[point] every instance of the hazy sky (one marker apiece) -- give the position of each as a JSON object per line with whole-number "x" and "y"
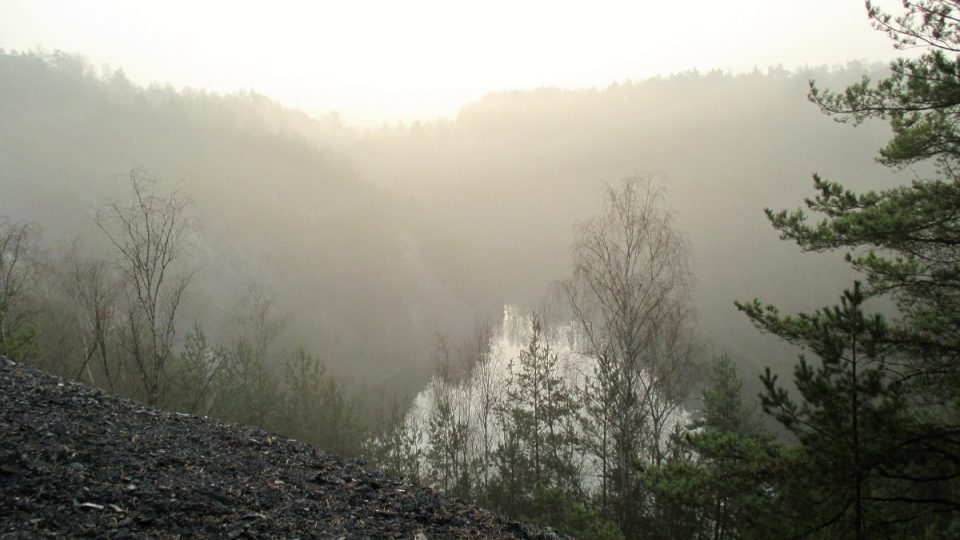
{"x": 376, "y": 61}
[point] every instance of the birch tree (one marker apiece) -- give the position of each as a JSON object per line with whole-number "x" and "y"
{"x": 628, "y": 295}
{"x": 149, "y": 233}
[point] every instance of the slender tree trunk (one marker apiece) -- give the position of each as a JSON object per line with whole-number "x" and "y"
{"x": 856, "y": 439}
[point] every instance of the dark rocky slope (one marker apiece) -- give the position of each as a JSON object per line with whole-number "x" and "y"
{"x": 77, "y": 462}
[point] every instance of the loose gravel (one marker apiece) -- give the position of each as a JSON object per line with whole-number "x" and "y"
{"x": 77, "y": 462}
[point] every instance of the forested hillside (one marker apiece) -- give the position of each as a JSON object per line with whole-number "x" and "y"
{"x": 374, "y": 241}
{"x": 511, "y": 174}
{"x": 273, "y": 203}
{"x": 226, "y": 255}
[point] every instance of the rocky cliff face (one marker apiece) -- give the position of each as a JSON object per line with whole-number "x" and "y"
{"x": 77, "y": 462}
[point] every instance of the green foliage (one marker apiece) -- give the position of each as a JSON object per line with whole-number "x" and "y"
{"x": 318, "y": 409}
{"x": 540, "y": 443}
{"x": 304, "y": 376}
{"x": 723, "y": 408}
{"x": 309, "y": 403}
{"x": 396, "y": 445}
{"x": 910, "y": 236}
{"x": 539, "y": 416}
{"x": 449, "y": 431}
{"x": 339, "y": 425}
{"x": 21, "y": 343}
{"x": 907, "y": 237}
{"x": 192, "y": 374}
{"x": 18, "y": 333}
{"x": 862, "y": 415}
{"x": 247, "y": 392}
{"x": 921, "y": 99}
{"x": 678, "y": 496}
{"x": 554, "y": 508}
{"x": 878, "y": 417}
{"x": 722, "y": 479}
{"x": 509, "y": 490}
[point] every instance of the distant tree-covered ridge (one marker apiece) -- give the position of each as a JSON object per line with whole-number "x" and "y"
{"x": 316, "y": 278}
{"x": 377, "y": 239}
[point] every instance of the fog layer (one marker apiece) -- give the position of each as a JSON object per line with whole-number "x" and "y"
{"x": 376, "y": 241}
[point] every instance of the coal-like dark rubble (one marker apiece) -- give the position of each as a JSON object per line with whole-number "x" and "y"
{"x": 78, "y": 462}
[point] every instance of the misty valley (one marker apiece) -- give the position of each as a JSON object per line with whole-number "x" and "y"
{"x": 705, "y": 305}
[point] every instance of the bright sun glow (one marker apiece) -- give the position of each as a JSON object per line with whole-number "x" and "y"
{"x": 377, "y": 61}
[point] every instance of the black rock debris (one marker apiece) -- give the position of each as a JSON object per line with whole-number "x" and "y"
{"x": 77, "y": 462}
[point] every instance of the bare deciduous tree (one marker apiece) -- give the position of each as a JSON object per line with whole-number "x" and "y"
{"x": 16, "y": 243}
{"x": 93, "y": 288}
{"x": 450, "y": 425}
{"x": 488, "y": 395}
{"x": 149, "y": 234}
{"x": 629, "y": 295}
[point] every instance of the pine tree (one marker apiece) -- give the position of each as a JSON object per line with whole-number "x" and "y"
{"x": 397, "y": 446}
{"x": 449, "y": 430}
{"x": 852, "y": 403}
{"x": 902, "y": 455}
{"x": 539, "y": 420}
{"x": 723, "y": 408}
{"x": 735, "y": 452}
{"x": 719, "y": 480}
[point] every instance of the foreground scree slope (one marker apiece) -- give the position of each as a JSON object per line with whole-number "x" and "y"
{"x": 76, "y": 461}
